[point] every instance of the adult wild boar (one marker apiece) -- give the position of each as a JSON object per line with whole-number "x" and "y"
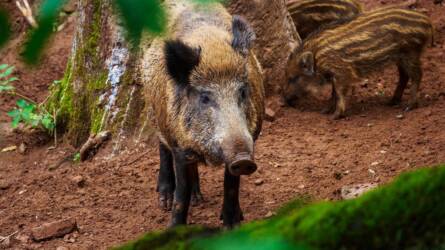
{"x": 206, "y": 90}
{"x": 347, "y": 53}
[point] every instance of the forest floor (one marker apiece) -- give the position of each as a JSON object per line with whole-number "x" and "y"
{"x": 114, "y": 199}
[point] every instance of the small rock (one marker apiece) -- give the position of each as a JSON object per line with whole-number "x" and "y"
{"x": 372, "y": 172}
{"x": 61, "y": 248}
{"x": 4, "y": 184}
{"x": 79, "y": 180}
{"x": 259, "y": 182}
{"x": 269, "y": 114}
{"x": 301, "y": 186}
{"x": 369, "y": 125}
{"x": 400, "y": 116}
{"x": 354, "y": 191}
{"x": 22, "y": 191}
{"x": 53, "y": 229}
{"x": 269, "y": 214}
{"x": 375, "y": 163}
{"x": 22, "y": 148}
{"x": 382, "y": 151}
{"x": 23, "y": 237}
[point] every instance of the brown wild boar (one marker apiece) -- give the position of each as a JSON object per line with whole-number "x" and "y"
{"x": 310, "y": 15}
{"x": 206, "y": 91}
{"x": 345, "y": 54}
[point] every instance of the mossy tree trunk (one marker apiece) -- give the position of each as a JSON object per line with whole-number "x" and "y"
{"x": 102, "y": 88}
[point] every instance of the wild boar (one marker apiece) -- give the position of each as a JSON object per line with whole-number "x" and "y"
{"x": 310, "y": 15}
{"x": 207, "y": 94}
{"x": 345, "y": 54}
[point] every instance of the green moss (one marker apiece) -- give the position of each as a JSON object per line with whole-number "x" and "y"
{"x": 173, "y": 239}
{"x": 407, "y": 214}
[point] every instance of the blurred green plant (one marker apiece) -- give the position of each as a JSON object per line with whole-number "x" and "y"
{"x": 5, "y": 28}
{"x": 48, "y": 14}
{"x": 137, "y": 16}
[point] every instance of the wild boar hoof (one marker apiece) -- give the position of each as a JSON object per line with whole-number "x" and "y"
{"x": 165, "y": 200}
{"x": 411, "y": 106}
{"x": 230, "y": 220}
{"x": 393, "y": 102}
{"x": 337, "y": 116}
{"x": 328, "y": 110}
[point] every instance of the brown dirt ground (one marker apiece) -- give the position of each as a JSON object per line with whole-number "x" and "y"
{"x": 301, "y": 152}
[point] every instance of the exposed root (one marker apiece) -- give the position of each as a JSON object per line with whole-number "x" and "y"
{"x": 89, "y": 149}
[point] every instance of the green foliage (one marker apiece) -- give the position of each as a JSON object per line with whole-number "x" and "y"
{"x": 5, "y": 78}
{"x": 141, "y": 14}
{"x": 38, "y": 37}
{"x": 407, "y": 214}
{"x": 5, "y": 28}
{"x": 30, "y": 115}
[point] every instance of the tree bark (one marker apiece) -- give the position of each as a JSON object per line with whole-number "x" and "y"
{"x": 102, "y": 87}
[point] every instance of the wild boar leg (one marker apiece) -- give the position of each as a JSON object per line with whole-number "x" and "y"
{"x": 414, "y": 69}
{"x": 331, "y": 104}
{"x": 196, "y": 190}
{"x": 166, "y": 178}
{"x": 403, "y": 80}
{"x": 231, "y": 211}
{"x": 341, "y": 89}
{"x": 183, "y": 176}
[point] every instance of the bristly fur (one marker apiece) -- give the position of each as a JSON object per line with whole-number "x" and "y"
{"x": 310, "y": 15}
{"x": 243, "y": 35}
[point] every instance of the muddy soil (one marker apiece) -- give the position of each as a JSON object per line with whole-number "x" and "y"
{"x": 301, "y": 153}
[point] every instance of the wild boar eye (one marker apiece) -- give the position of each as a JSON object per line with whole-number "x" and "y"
{"x": 243, "y": 93}
{"x": 204, "y": 98}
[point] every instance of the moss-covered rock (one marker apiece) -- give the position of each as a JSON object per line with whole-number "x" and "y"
{"x": 406, "y": 214}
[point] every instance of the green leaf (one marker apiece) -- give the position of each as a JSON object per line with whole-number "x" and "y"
{"x": 76, "y": 157}
{"x": 48, "y": 123}
{"x": 39, "y": 36}
{"x": 5, "y": 28}
{"x": 6, "y": 88}
{"x": 7, "y": 72}
{"x": 3, "y": 66}
{"x": 12, "y": 79}
{"x": 15, "y": 122}
{"x": 22, "y": 103}
{"x": 141, "y": 14}
{"x": 14, "y": 113}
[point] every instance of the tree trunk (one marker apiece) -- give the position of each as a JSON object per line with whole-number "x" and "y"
{"x": 101, "y": 89}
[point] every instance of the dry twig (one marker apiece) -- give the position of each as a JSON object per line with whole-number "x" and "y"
{"x": 26, "y": 10}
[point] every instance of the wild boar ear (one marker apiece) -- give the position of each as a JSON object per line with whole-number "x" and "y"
{"x": 307, "y": 63}
{"x": 243, "y": 35}
{"x": 181, "y": 59}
